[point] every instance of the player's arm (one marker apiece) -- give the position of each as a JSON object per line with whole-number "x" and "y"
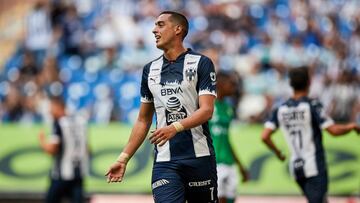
{"x": 269, "y": 128}
{"x": 202, "y": 115}
{"x": 325, "y": 122}
{"x": 140, "y": 129}
{"x": 266, "y": 138}
{"x": 49, "y": 147}
{"x": 342, "y": 129}
{"x": 206, "y": 108}
{"x": 243, "y": 171}
{"x": 137, "y": 136}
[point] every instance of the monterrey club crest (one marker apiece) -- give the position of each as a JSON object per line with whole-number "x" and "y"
{"x": 213, "y": 76}
{"x": 190, "y": 74}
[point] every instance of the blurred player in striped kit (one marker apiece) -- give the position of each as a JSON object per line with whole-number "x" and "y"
{"x": 301, "y": 119}
{"x": 68, "y": 146}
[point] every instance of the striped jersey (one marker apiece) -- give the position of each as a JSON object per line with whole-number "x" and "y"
{"x": 174, "y": 88}
{"x": 301, "y": 122}
{"x": 71, "y": 162}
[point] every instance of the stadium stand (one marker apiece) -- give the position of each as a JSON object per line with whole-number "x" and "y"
{"x": 98, "y": 48}
{"x": 10, "y": 12}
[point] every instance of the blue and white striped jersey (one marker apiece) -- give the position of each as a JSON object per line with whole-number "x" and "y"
{"x": 301, "y": 122}
{"x": 174, "y": 87}
{"x": 71, "y": 162}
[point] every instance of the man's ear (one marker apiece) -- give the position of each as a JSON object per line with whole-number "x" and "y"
{"x": 178, "y": 30}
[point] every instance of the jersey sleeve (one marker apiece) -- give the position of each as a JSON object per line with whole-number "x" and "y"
{"x": 272, "y": 122}
{"x": 56, "y": 135}
{"x": 206, "y": 77}
{"x": 320, "y": 115}
{"x": 145, "y": 93}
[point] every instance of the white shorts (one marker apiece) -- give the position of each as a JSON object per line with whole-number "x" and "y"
{"x": 228, "y": 180}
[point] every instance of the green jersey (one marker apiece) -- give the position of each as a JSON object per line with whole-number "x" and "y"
{"x": 219, "y": 128}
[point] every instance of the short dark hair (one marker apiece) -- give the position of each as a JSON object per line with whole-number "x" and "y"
{"x": 228, "y": 76}
{"x": 57, "y": 100}
{"x": 180, "y": 19}
{"x": 223, "y": 74}
{"x": 299, "y": 78}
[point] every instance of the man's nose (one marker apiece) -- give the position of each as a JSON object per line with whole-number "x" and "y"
{"x": 154, "y": 30}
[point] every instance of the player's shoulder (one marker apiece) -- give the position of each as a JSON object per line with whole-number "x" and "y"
{"x": 315, "y": 105}
{"x": 295, "y": 102}
{"x": 195, "y": 53}
{"x": 284, "y": 103}
{"x": 56, "y": 123}
{"x": 148, "y": 65}
{"x": 154, "y": 60}
{"x": 203, "y": 58}
{"x": 315, "y": 102}
{"x": 274, "y": 109}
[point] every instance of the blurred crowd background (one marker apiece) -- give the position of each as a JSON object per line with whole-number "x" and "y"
{"x": 92, "y": 52}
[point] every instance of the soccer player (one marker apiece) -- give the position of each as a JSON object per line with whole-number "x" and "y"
{"x": 68, "y": 145}
{"x": 180, "y": 87}
{"x": 301, "y": 120}
{"x": 226, "y": 159}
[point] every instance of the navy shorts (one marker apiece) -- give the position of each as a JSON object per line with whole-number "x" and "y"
{"x": 191, "y": 180}
{"x": 60, "y": 189}
{"x": 315, "y": 188}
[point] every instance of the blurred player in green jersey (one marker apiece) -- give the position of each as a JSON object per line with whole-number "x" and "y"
{"x": 226, "y": 159}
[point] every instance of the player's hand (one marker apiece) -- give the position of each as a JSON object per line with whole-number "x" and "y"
{"x": 281, "y": 156}
{"x": 357, "y": 128}
{"x": 354, "y": 126}
{"x": 42, "y": 137}
{"x": 162, "y": 135}
{"x": 116, "y": 172}
{"x": 245, "y": 175}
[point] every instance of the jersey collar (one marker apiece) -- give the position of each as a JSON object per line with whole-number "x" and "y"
{"x": 303, "y": 98}
{"x": 180, "y": 57}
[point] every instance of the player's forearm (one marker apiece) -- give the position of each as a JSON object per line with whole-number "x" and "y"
{"x": 240, "y": 165}
{"x": 236, "y": 158}
{"x": 199, "y": 117}
{"x": 341, "y": 129}
{"x": 266, "y": 138}
{"x": 270, "y": 144}
{"x": 137, "y": 137}
{"x": 140, "y": 129}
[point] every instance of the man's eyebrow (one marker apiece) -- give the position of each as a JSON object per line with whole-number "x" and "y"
{"x": 159, "y": 22}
